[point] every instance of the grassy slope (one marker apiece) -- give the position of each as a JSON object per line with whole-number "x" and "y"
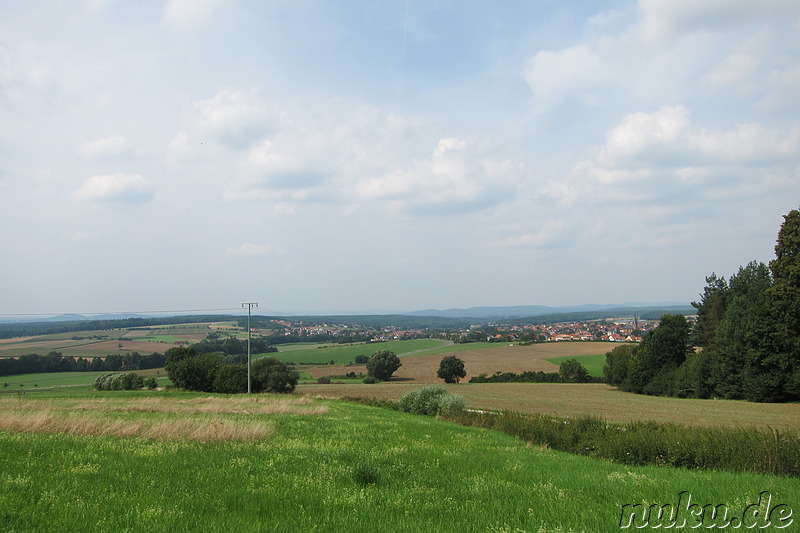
{"x": 434, "y": 476}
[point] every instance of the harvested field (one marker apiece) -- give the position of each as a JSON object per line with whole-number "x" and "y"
{"x": 567, "y": 399}
{"x": 504, "y": 358}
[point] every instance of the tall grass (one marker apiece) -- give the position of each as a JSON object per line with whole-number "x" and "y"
{"x": 153, "y": 417}
{"x": 644, "y": 443}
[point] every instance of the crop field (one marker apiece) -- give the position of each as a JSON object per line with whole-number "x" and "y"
{"x": 484, "y": 358}
{"x": 99, "y": 343}
{"x": 157, "y": 461}
{"x": 599, "y": 399}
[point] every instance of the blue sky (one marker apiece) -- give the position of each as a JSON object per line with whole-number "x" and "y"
{"x": 392, "y": 155}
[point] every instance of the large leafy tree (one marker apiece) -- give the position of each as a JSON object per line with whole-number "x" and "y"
{"x": 382, "y": 364}
{"x": 451, "y": 369}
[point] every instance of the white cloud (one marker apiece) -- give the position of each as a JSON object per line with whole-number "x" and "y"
{"x": 190, "y": 13}
{"x": 668, "y": 18}
{"x": 230, "y": 120}
{"x": 666, "y": 139}
{"x": 450, "y": 176}
{"x": 115, "y": 188}
{"x": 105, "y": 147}
{"x": 249, "y": 250}
{"x": 555, "y": 77}
{"x": 548, "y": 235}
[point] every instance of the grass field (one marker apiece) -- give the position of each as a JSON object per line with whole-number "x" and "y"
{"x": 288, "y": 464}
{"x": 44, "y": 380}
{"x": 343, "y": 354}
{"x": 593, "y": 363}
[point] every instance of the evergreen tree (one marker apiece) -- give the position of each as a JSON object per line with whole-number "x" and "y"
{"x": 783, "y": 301}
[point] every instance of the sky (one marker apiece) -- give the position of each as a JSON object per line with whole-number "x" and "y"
{"x": 384, "y": 156}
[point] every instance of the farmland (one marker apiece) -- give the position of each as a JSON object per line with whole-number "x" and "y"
{"x": 99, "y": 343}
{"x": 484, "y": 358}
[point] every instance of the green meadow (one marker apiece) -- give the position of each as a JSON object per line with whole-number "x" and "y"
{"x": 343, "y": 354}
{"x": 43, "y": 380}
{"x": 593, "y": 363}
{"x": 294, "y": 464}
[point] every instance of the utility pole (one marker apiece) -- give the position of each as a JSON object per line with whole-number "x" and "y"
{"x": 250, "y": 306}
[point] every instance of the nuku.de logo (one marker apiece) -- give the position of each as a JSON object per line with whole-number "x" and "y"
{"x": 685, "y": 514}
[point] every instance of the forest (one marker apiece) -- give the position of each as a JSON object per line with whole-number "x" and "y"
{"x": 747, "y": 333}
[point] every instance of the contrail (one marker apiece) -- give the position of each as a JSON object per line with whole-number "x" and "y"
{"x": 403, "y": 49}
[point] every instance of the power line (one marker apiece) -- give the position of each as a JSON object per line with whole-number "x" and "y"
{"x": 127, "y": 312}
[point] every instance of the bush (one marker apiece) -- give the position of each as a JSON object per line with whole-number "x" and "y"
{"x": 323, "y": 380}
{"x": 431, "y": 400}
{"x": 369, "y": 380}
{"x": 150, "y": 383}
{"x": 361, "y": 359}
{"x": 116, "y": 381}
{"x": 270, "y": 375}
{"x": 451, "y": 404}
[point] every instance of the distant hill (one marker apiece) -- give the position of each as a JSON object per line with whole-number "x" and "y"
{"x": 524, "y": 311}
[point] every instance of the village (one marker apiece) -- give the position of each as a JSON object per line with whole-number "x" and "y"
{"x": 621, "y": 330}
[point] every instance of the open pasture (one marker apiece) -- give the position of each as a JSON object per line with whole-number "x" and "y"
{"x": 317, "y": 466}
{"x": 599, "y": 399}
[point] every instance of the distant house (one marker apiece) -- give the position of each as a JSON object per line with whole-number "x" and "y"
{"x": 182, "y": 343}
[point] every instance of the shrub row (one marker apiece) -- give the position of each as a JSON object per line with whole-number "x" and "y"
{"x": 123, "y": 381}
{"x": 642, "y": 443}
{"x": 432, "y": 400}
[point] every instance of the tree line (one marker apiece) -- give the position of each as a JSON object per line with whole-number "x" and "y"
{"x": 747, "y": 333}
{"x": 57, "y": 362}
{"x": 29, "y": 329}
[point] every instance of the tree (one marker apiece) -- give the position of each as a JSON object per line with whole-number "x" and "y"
{"x": 362, "y": 359}
{"x": 270, "y": 375}
{"x": 571, "y": 371}
{"x": 231, "y": 379}
{"x": 783, "y": 302}
{"x": 710, "y": 311}
{"x": 191, "y": 371}
{"x": 451, "y": 369}
{"x": 616, "y": 368}
{"x": 382, "y": 364}
{"x": 652, "y": 366}
{"x": 738, "y": 360}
